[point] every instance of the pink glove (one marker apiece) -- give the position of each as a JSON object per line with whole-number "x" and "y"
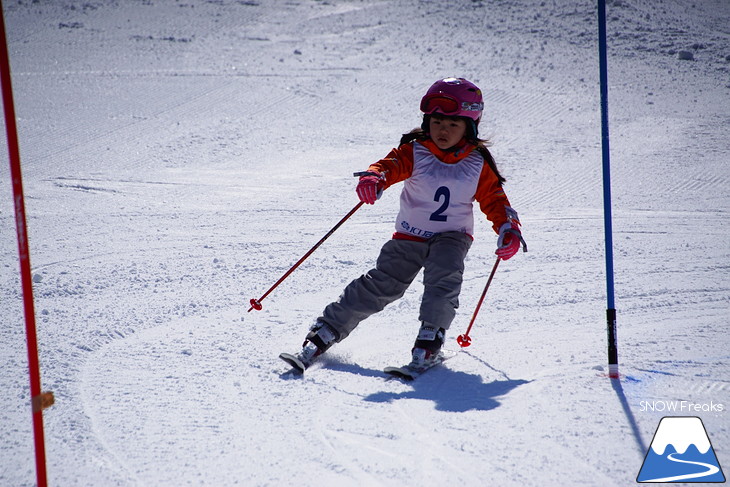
{"x": 509, "y": 240}
{"x": 370, "y": 187}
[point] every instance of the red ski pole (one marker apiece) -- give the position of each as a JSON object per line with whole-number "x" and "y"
{"x": 465, "y": 340}
{"x": 38, "y": 400}
{"x": 256, "y": 303}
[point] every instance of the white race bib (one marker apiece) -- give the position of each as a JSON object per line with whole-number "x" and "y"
{"x": 439, "y": 197}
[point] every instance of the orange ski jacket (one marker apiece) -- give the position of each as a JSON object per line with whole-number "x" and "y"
{"x": 398, "y": 166}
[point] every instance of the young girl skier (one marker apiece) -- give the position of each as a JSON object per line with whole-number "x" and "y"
{"x": 445, "y": 168}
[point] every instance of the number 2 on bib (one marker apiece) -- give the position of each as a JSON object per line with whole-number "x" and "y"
{"x": 441, "y": 193}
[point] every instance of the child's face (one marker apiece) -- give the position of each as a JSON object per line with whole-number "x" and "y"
{"x": 446, "y": 132}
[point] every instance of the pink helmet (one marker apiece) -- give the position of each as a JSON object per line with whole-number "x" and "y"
{"x": 454, "y": 97}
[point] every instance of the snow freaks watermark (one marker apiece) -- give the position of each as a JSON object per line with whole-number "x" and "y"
{"x": 681, "y": 407}
{"x": 681, "y": 452}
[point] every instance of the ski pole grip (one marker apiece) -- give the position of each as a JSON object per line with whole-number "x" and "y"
{"x": 518, "y": 234}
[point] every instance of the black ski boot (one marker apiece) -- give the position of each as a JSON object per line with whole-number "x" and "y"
{"x": 320, "y": 337}
{"x": 427, "y": 347}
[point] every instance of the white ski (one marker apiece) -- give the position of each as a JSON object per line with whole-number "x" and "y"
{"x": 409, "y": 373}
{"x": 297, "y": 365}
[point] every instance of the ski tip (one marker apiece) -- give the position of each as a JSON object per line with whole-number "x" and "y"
{"x": 296, "y": 364}
{"x": 447, "y": 354}
{"x": 399, "y": 373}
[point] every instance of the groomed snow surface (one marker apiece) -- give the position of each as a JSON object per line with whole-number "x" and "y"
{"x": 180, "y": 155}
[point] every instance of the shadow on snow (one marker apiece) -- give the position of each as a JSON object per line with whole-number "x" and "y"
{"x": 450, "y": 390}
{"x": 453, "y": 391}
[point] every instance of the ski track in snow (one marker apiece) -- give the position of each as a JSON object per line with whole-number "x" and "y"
{"x": 179, "y": 157}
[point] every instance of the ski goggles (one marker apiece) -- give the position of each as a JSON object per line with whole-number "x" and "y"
{"x": 448, "y": 105}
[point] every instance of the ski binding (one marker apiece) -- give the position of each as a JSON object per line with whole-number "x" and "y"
{"x": 409, "y": 373}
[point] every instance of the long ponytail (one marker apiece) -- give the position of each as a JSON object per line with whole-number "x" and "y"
{"x": 482, "y": 148}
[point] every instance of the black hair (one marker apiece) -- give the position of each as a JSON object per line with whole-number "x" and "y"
{"x": 421, "y": 133}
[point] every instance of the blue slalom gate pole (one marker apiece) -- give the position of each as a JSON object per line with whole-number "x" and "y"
{"x": 608, "y": 230}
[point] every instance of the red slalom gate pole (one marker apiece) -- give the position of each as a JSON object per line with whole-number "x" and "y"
{"x": 256, "y": 303}
{"x": 465, "y": 340}
{"x": 39, "y": 400}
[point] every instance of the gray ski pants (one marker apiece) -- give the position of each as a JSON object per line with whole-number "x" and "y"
{"x": 442, "y": 259}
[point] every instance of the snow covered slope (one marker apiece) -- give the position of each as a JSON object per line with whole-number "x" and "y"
{"x": 179, "y": 156}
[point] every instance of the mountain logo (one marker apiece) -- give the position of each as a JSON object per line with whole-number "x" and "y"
{"x": 681, "y": 452}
